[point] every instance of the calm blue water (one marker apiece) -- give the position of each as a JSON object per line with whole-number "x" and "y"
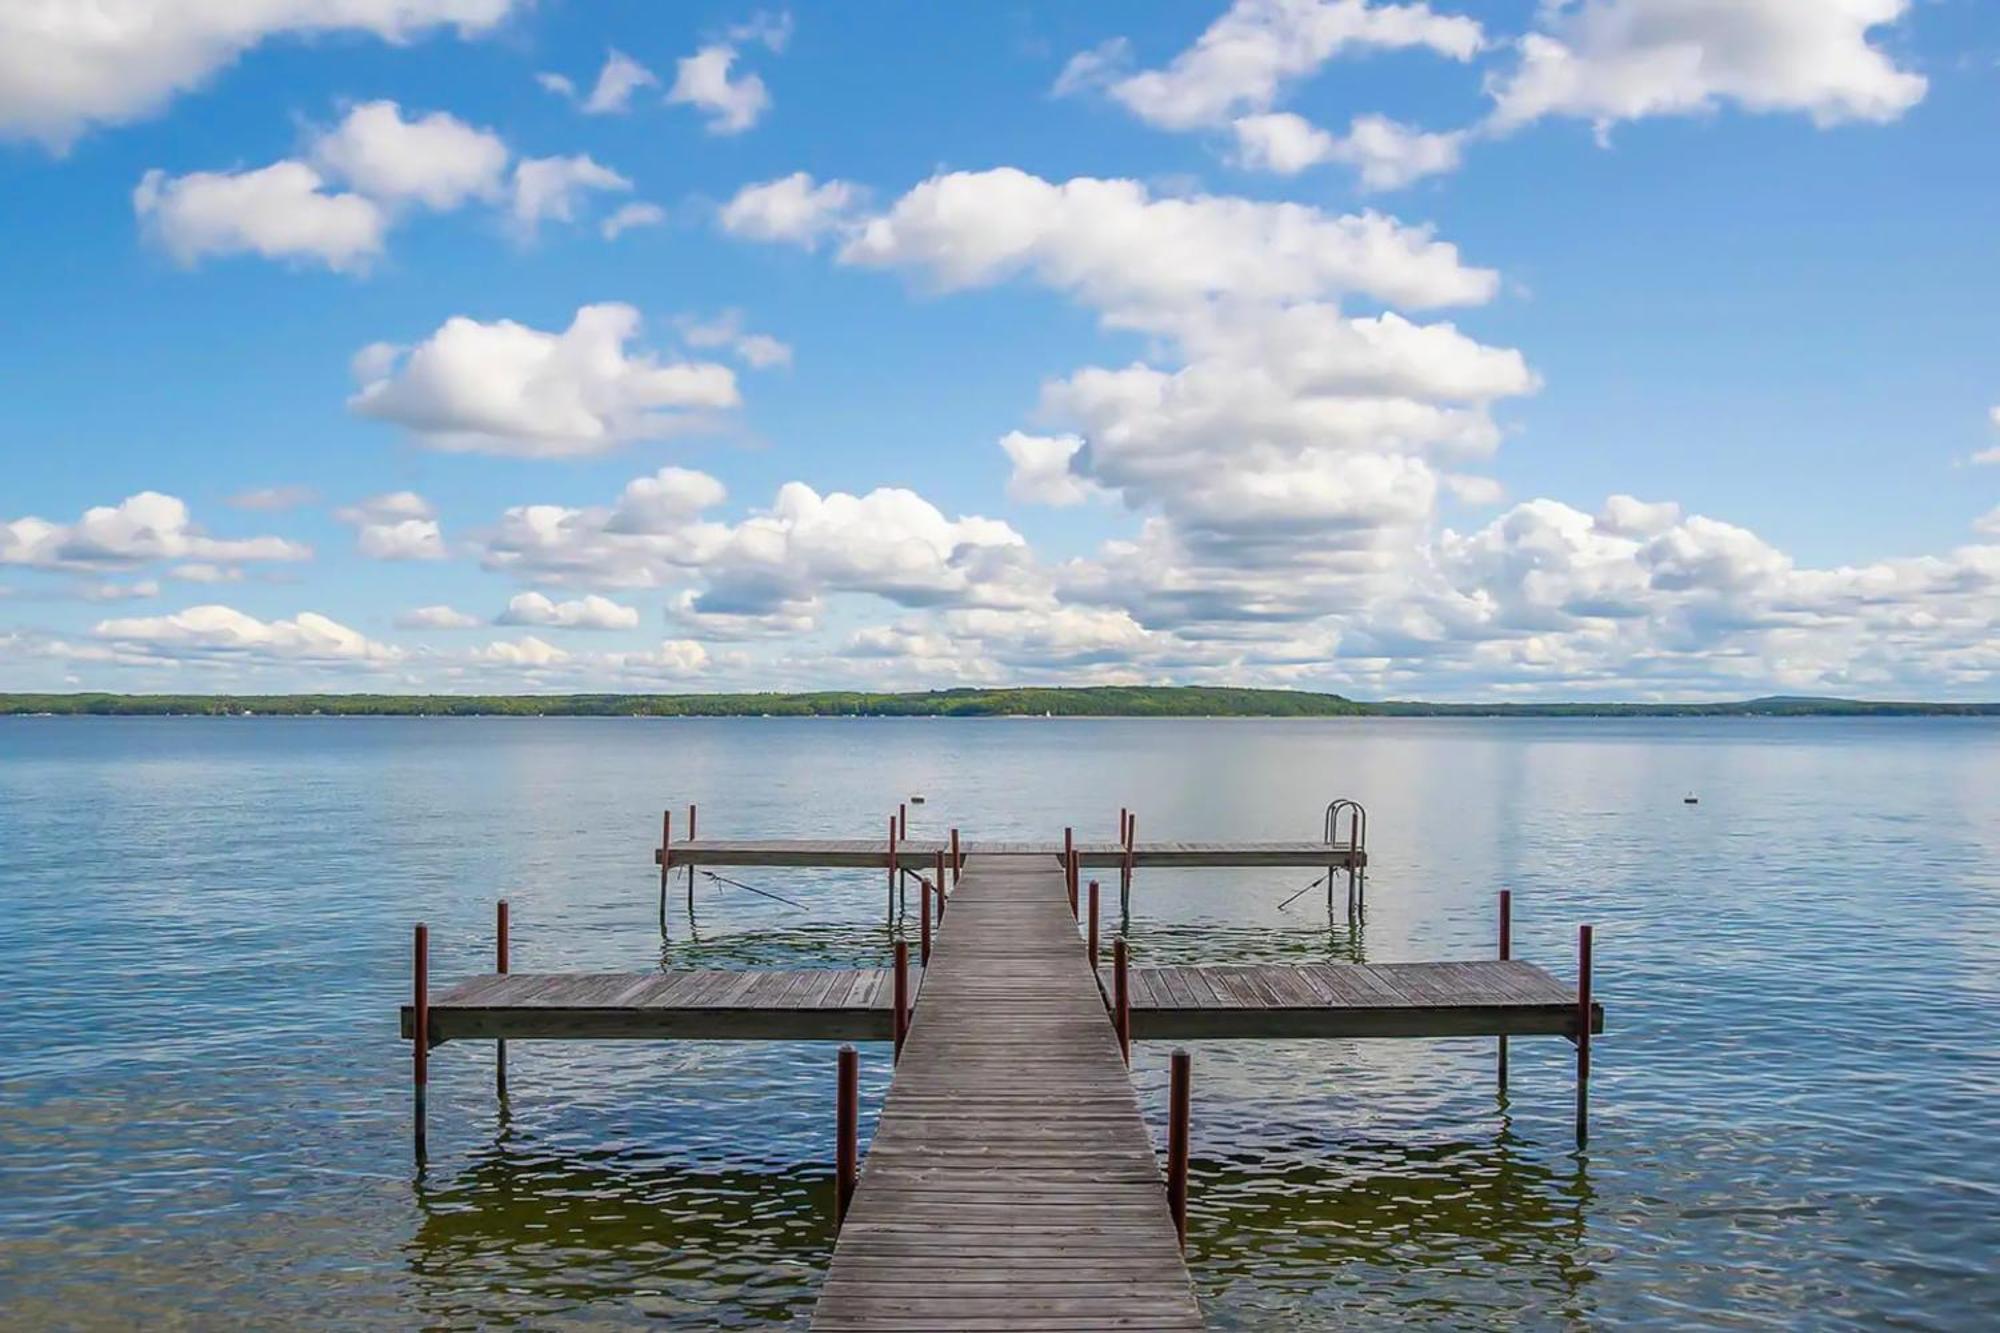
{"x": 204, "y": 933}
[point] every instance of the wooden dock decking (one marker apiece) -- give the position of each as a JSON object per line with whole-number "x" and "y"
{"x": 919, "y": 854}
{"x": 1489, "y": 998}
{"x": 822, "y": 1004}
{"x": 1011, "y": 1183}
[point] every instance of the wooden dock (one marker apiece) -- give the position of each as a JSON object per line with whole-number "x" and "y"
{"x": 807, "y": 1005}
{"x": 1496, "y": 998}
{"x": 920, "y": 854}
{"x": 1011, "y": 1183}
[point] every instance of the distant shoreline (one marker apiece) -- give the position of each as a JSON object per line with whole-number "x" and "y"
{"x": 1028, "y": 702}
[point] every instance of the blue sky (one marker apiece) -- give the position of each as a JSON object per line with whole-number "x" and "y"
{"x": 1612, "y": 348}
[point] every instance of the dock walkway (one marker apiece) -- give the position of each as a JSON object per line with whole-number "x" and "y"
{"x": 1012, "y": 1183}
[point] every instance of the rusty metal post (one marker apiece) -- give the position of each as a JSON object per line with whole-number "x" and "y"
{"x": 1121, "y": 1003}
{"x": 500, "y": 966}
{"x": 420, "y": 1034}
{"x": 902, "y": 1025}
{"x": 1582, "y": 1036}
{"x": 1178, "y": 1105}
{"x": 1093, "y": 925}
{"x": 847, "y": 1117}
{"x": 1506, "y": 952}
{"x": 924, "y": 950}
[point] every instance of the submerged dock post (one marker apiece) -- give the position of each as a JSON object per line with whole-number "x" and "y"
{"x": 1093, "y": 925}
{"x": 1125, "y": 871}
{"x": 1121, "y": 1002}
{"x": 892, "y": 868}
{"x": 847, "y": 1115}
{"x": 1178, "y": 1104}
{"x": 666, "y": 861}
{"x": 420, "y": 1033}
{"x": 1506, "y": 952}
{"x": 500, "y": 966}
{"x": 924, "y": 952}
{"x": 690, "y": 838}
{"x": 1582, "y": 1036}
{"x": 902, "y": 995}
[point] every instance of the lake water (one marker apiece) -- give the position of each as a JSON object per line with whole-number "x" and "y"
{"x": 204, "y": 935}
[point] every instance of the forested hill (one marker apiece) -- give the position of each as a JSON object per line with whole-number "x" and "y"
{"x": 1095, "y": 701}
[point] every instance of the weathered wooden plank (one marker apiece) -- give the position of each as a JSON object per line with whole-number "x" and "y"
{"x": 813, "y": 1004}
{"x": 1480, "y": 998}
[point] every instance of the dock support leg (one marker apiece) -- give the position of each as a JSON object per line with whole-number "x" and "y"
{"x": 1125, "y": 871}
{"x": 1506, "y": 952}
{"x": 1582, "y": 1037}
{"x": 1178, "y": 1105}
{"x": 1069, "y": 868}
{"x": 500, "y": 966}
{"x": 420, "y": 1036}
{"x": 957, "y": 860}
{"x": 1121, "y": 999}
{"x": 847, "y": 1114}
{"x": 902, "y": 1021}
{"x": 691, "y": 812}
{"x": 1075, "y": 871}
{"x": 666, "y": 863}
{"x": 1093, "y": 926}
{"x": 924, "y": 954}
{"x": 940, "y": 884}
{"x": 892, "y": 869}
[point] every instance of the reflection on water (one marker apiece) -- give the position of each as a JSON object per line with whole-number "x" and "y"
{"x": 524, "y": 1233}
{"x": 204, "y": 1106}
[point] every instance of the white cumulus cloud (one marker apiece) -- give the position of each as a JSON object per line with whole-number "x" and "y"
{"x": 1387, "y": 154}
{"x": 506, "y": 388}
{"x": 436, "y": 617}
{"x": 400, "y": 525}
{"x": 791, "y": 208}
{"x": 1612, "y": 60}
{"x": 435, "y": 160}
{"x": 283, "y": 211}
{"x": 1249, "y": 55}
{"x": 702, "y": 81}
{"x": 222, "y": 631}
{"x": 140, "y": 529}
{"x": 66, "y": 65}
{"x": 556, "y": 188}
{"x": 591, "y": 612}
